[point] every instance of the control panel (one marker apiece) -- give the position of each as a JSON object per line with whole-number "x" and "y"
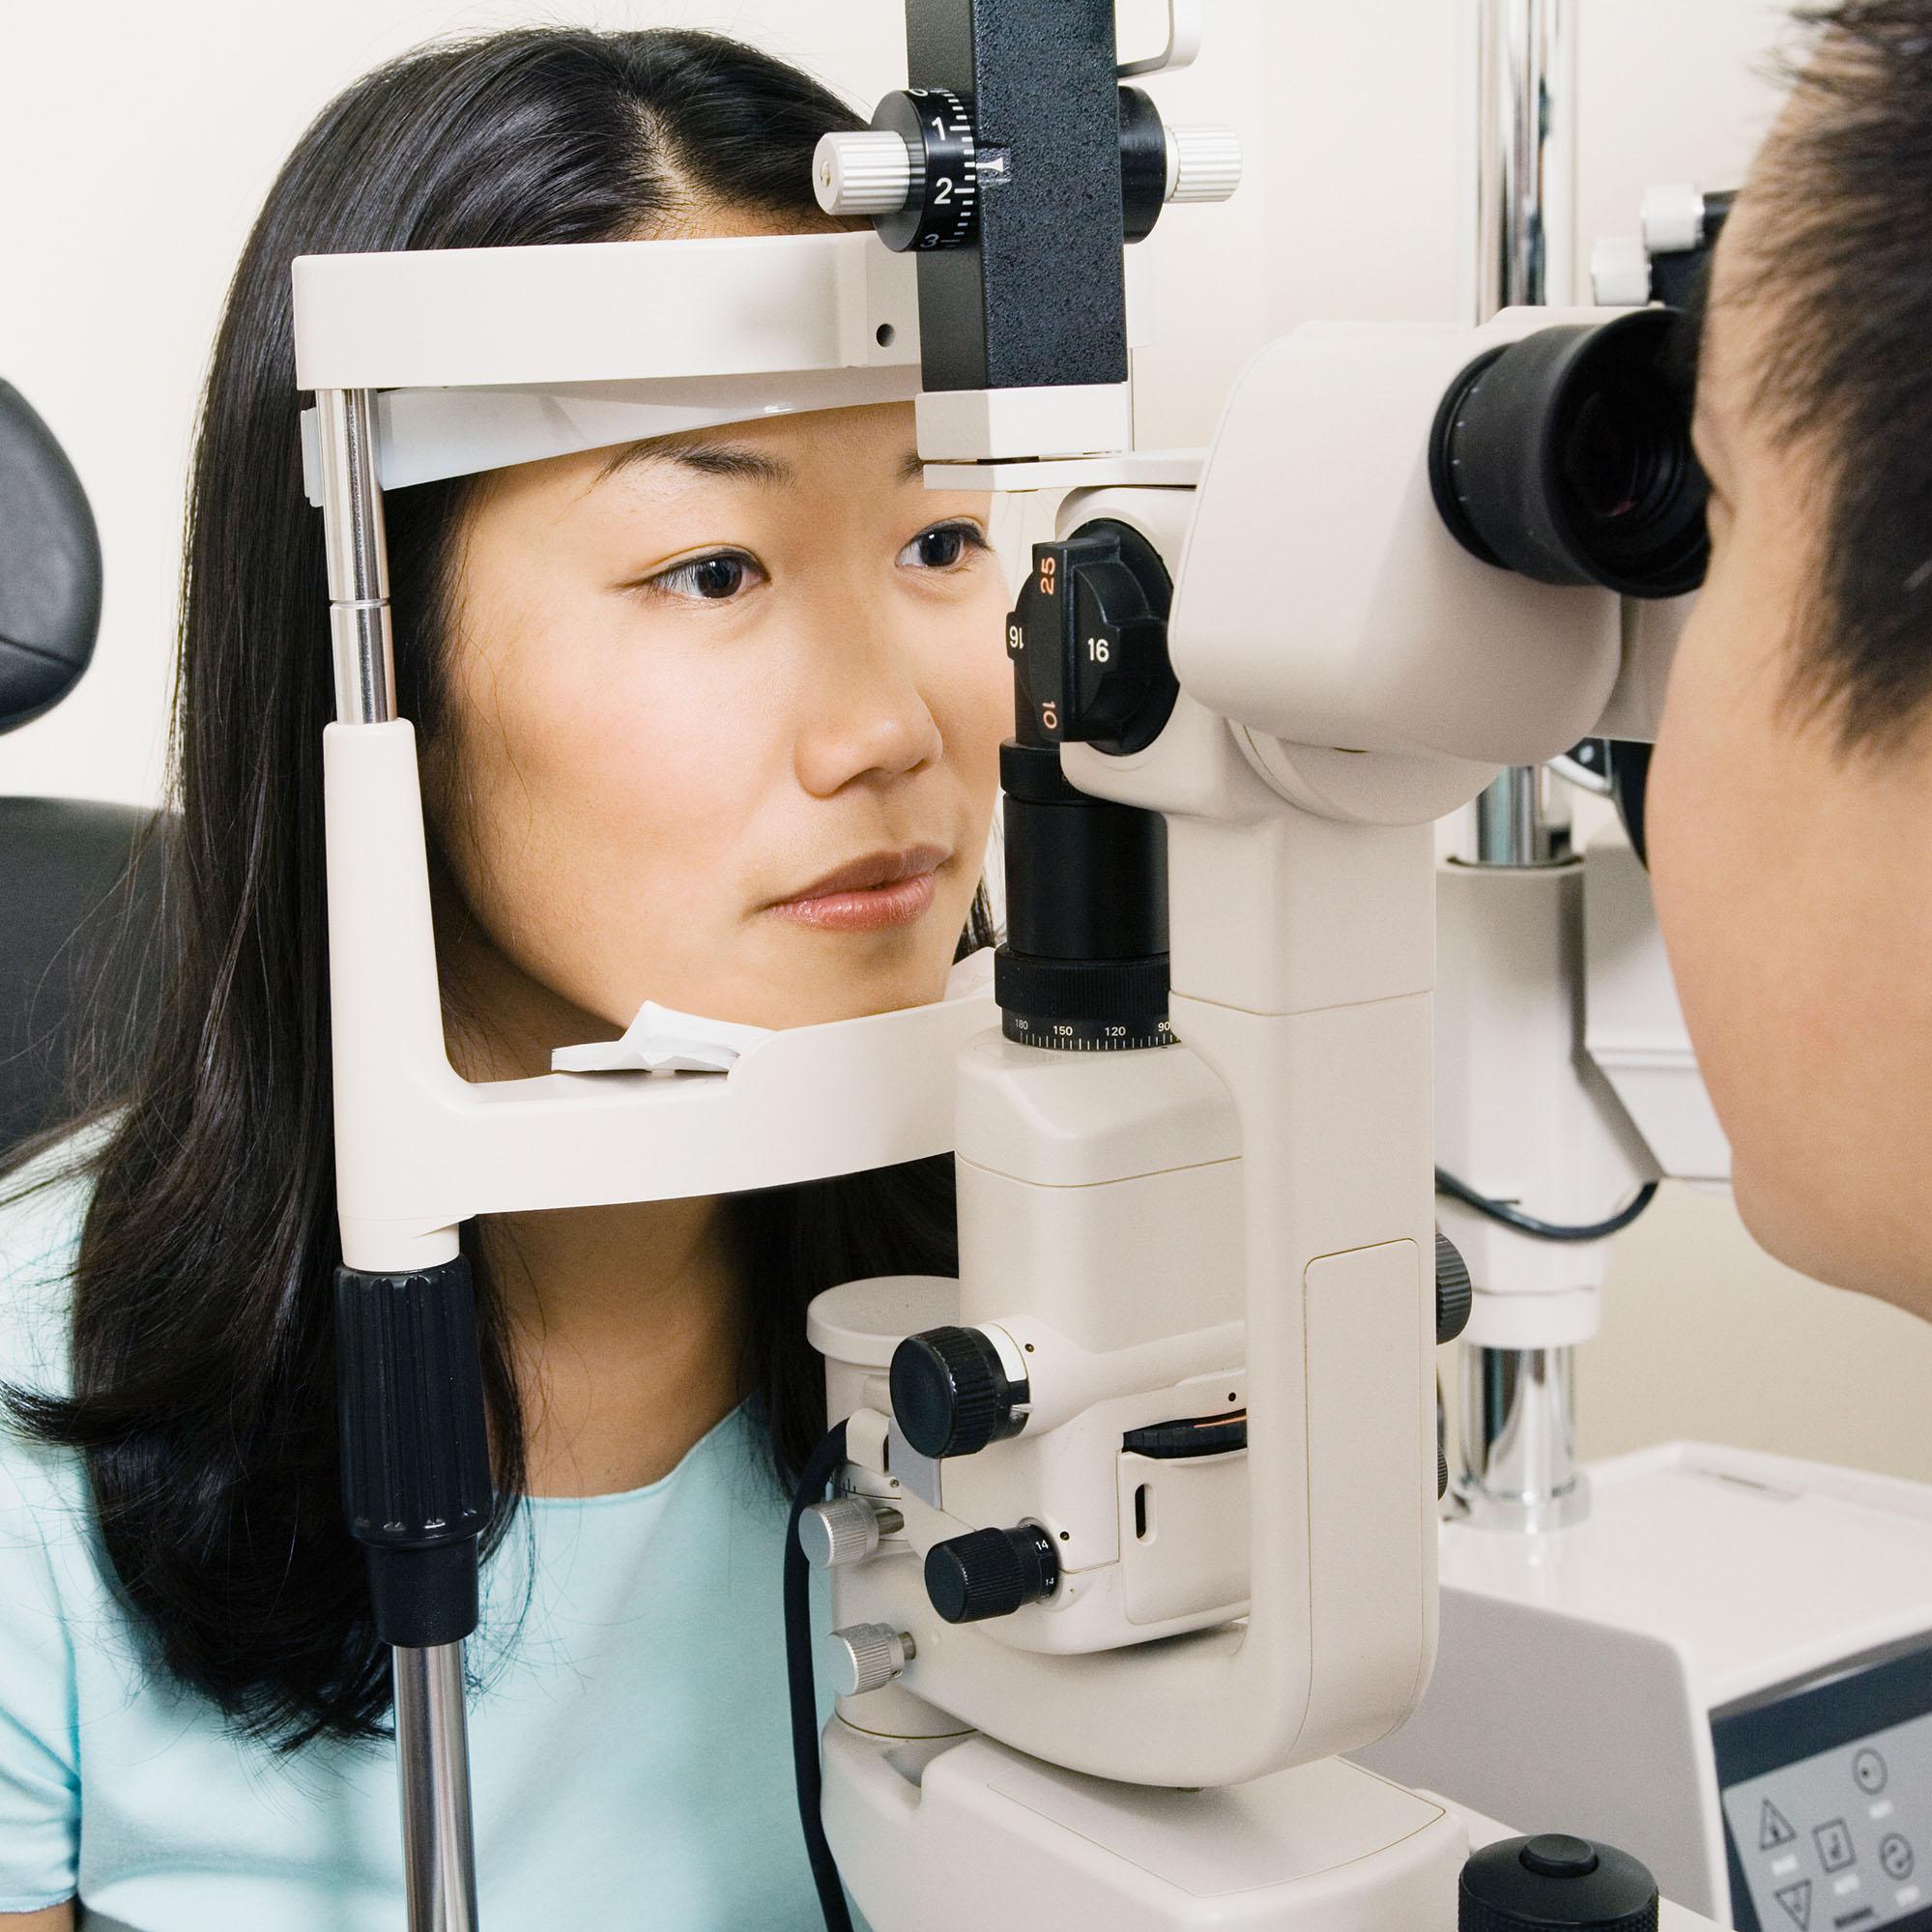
{"x": 1827, "y": 1792}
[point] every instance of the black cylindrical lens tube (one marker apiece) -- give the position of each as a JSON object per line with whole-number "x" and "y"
{"x": 1084, "y": 967}
{"x": 1565, "y": 456}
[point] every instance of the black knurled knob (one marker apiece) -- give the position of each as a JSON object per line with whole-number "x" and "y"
{"x": 1452, "y": 1292}
{"x": 950, "y": 1396}
{"x": 990, "y": 1572}
{"x": 1555, "y": 1883}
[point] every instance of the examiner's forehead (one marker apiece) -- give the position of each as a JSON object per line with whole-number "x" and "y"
{"x": 1742, "y": 303}
{"x": 1729, "y": 315}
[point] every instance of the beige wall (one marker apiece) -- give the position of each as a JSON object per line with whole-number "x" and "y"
{"x": 137, "y": 143}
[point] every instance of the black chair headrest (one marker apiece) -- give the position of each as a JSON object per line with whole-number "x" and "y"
{"x": 49, "y": 566}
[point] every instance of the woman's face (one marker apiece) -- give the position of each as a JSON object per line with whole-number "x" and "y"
{"x": 687, "y": 680}
{"x": 1790, "y": 874}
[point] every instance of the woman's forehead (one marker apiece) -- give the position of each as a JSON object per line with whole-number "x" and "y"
{"x": 778, "y": 448}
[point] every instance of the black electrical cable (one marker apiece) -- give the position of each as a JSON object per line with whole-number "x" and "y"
{"x": 825, "y": 1462}
{"x": 1528, "y": 1224}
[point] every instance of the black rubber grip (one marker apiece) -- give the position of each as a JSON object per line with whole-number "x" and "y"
{"x": 415, "y": 1456}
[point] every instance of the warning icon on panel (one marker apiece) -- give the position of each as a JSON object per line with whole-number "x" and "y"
{"x": 1775, "y": 1830}
{"x": 1797, "y": 1900}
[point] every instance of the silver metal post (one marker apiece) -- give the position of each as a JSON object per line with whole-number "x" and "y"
{"x": 432, "y": 1732}
{"x": 1519, "y": 1439}
{"x": 1525, "y": 58}
{"x": 1518, "y": 1410}
{"x": 432, "y": 1743}
{"x": 1510, "y": 823}
{"x": 1525, "y": 171}
{"x": 361, "y": 646}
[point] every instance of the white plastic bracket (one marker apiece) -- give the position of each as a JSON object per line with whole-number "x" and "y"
{"x": 1184, "y": 35}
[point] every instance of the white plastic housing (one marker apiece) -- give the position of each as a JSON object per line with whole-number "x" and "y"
{"x": 487, "y": 356}
{"x": 1651, "y": 629}
{"x": 973, "y": 425}
{"x": 945, "y": 1837}
{"x": 1381, "y": 632}
{"x": 1579, "y": 1669}
{"x": 1100, "y": 1208}
{"x": 601, "y": 311}
{"x": 1302, "y": 949}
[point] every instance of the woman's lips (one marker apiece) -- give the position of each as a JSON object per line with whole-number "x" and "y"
{"x": 883, "y": 888}
{"x": 863, "y": 911}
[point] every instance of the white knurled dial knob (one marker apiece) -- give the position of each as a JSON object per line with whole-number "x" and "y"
{"x": 1620, "y": 271}
{"x": 845, "y": 1528}
{"x": 869, "y": 173}
{"x": 1204, "y": 164}
{"x": 865, "y": 1656}
{"x": 1672, "y": 217}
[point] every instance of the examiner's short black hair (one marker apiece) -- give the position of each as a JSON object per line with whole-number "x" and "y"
{"x": 1846, "y": 262}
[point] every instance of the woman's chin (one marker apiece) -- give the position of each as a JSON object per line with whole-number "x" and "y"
{"x": 855, "y": 995}
{"x": 813, "y": 994}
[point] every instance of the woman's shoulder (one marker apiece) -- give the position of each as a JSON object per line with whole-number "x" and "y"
{"x": 43, "y": 1207}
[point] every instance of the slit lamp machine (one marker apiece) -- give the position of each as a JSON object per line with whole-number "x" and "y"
{"x": 1134, "y": 1531}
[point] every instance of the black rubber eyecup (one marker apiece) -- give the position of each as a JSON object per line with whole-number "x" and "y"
{"x": 1565, "y": 456}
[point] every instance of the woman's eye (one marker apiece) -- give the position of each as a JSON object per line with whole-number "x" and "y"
{"x": 710, "y": 579}
{"x": 944, "y": 547}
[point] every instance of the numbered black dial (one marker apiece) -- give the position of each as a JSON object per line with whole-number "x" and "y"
{"x": 1089, "y": 642}
{"x": 942, "y": 208}
{"x": 1084, "y": 969}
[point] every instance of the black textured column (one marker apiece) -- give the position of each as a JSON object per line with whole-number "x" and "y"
{"x": 1040, "y": 297}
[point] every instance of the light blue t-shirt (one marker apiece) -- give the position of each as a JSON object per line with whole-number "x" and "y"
{"x": 631, "y": 1750}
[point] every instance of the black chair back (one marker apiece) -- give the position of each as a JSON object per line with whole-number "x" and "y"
{"x": 64, "y": 920}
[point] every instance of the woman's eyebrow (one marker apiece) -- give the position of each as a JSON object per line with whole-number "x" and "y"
{"x": 736, "y": 460}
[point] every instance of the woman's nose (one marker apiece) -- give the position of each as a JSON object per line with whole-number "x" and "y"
{"x": 867, "y": 717}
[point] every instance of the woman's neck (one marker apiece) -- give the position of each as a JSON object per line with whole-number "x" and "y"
{"x": 624, "y": 1321}
{"x": 623, "y": 1324}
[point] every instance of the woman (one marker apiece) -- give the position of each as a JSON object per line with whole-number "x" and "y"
{"x": 713, "y": 720}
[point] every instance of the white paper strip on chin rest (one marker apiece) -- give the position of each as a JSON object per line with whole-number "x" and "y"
{"x": 490, "y": 356}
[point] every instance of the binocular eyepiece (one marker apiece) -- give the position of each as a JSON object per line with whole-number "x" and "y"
{"x": 1565, "y": 456}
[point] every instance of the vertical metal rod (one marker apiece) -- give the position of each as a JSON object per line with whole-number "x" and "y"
{"x": 1525, "y": 123}
{"x": 1518, "y": 1408}
{"x": 432, "y": 1731}
{"x": 1520, "y": 1438}
{"x": 1509, "y": 824}
{"x": 362, "y": 644}
{"x": 433, "y": 1747}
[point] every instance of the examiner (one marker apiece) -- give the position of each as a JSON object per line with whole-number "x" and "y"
{"x": 1790, "y": 803}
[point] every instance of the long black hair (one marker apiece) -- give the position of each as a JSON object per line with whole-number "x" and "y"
{"x": 202, "y": 1394}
